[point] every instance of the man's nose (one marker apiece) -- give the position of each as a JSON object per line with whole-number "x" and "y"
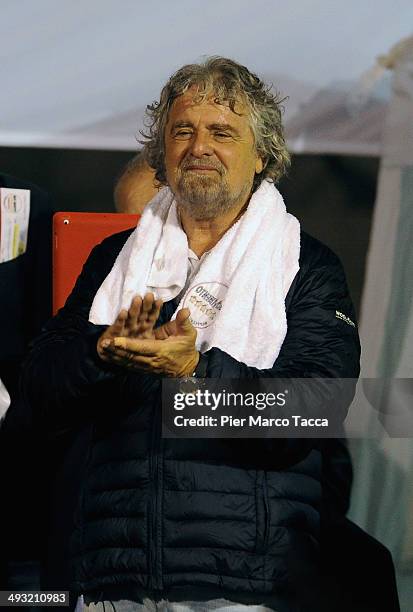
{"x": 201, "y": 144}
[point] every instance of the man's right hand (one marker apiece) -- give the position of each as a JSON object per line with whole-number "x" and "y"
{"x": 132, "y": 342}
{"x": 137, "y": 322}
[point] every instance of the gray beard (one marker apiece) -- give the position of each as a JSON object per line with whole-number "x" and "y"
{"x": 206, "y": 198}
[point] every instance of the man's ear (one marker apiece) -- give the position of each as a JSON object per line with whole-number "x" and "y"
{"x": 259, "y": 165}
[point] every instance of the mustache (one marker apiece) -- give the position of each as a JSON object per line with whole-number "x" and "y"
{"x": 196, "y": 163}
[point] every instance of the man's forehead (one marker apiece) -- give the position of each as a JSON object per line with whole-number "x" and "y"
{"x": 192, "y": 101}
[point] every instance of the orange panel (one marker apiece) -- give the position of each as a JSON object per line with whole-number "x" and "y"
{"x": 74, "y": 236}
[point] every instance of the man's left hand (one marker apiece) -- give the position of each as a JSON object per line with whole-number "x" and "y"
{"x": 170, "y": 352}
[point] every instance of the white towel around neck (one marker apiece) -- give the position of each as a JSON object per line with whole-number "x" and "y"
{"x": 237, "y": 297}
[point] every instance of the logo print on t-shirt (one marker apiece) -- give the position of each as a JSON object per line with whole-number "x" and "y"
{"x": 204, "y": 300}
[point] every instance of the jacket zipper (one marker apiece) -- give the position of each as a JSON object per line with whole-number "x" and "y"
{"x": 156, "y": 466}
{"x": 155, "y": 544}
{"x": 264, "y": 514}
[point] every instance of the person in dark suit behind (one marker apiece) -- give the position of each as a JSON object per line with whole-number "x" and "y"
{"x": 25, "y": 302}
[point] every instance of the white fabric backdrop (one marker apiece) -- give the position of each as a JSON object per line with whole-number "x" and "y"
{"x": 79, "y": 74}
{"x": 382, "y": 499}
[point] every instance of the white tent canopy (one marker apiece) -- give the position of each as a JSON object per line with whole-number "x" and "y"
{"x": 79, "y": 74}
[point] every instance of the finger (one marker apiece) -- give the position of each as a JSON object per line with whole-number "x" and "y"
{"x": 165, "y": 331}
{"x": 157, "y": 308}
{"x": 152, "y": 317}
{"x": 151, "y": 309}
{"x": 121, "y": 318}
{"x": 109, "y": 349}
{"x": 105, "y": 344}
{"x": 183, "y": 322}
{"x": 146, "y": 317}
{"x": 130, "y": 360}
{"x": 147, "y": 304}
{"x": 117, "y": 327}
{"x": 134, "y": 312}
{"x": 120, "y": 358}
{"x": 124, "y": 355}
{"x": 138, "y": 345}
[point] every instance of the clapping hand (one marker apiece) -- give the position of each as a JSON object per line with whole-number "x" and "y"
{"x": 133, "y": 342}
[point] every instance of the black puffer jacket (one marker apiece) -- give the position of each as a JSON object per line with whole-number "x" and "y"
{"x": 161, "y": 514}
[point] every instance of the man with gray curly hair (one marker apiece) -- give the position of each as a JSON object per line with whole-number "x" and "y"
{"x": 223, "y": 82}
{"x": 217, "y": 281}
